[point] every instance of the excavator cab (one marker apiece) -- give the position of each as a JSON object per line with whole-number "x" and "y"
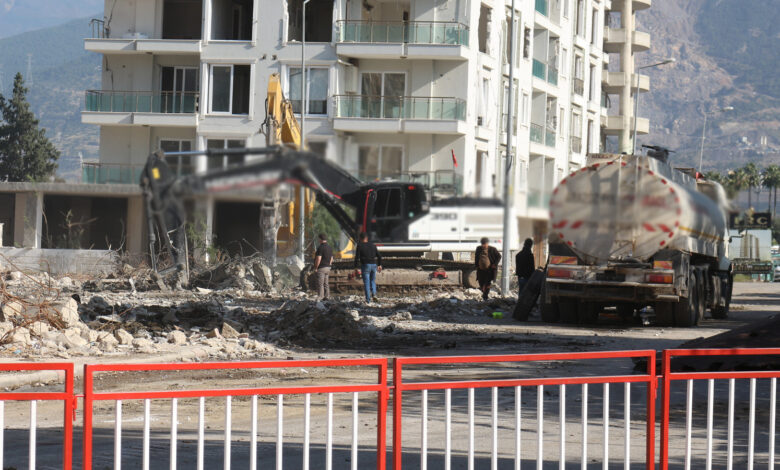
{"x": 389, "y": 209}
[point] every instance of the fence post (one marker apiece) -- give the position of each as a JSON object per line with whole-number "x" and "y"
{"x": 652, "y": 389}
{"x": 381, "y": 419}
{"x": 665, "y": 371}
{"x": 397, "y": 413}
{"x": 68, "y": 418}
{"x": 87, "y": 445}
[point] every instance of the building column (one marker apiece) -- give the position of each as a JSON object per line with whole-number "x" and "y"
{"x": 135, "y": 228}
{"x": 29, "y": 219}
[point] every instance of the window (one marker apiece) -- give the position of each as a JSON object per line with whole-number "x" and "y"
{"x": 379, "y": 161}
{"x": 580, "y": 19}
{"x": 564, "y": 65}
{"x": 484, "y": 100}
{"x": 566, "y": 8}
{"x": 316, "y": 93}
{"x": 179, "y": 165}
{"x": 231, "y": 20}
{"x": 319, "y": 24}
{"x": 591, "y": 126}
{"x": 527, "y": 43}
{"x": 182, "y": 19}
{"x": 526, "y": 108}
{"x": 576, "y": 131}
{"x": 484, "y": 29}
{"x": 561, "y": 120}
{"x": 505, "y": 106}
{"x": 592, "y": 89}
{"x": 518, "y": 40}
{"x": 179, "y": 87}
{"x": 224, "y": 161}
{"x": 383, "y": 94}
{"x": 505, "y": 40}
{"x": 594, "y": 32}
{"x": 229, "y": 89}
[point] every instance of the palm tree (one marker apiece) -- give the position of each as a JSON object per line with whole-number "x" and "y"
{"x": 752, "y": 180}
{"x": 736, "y": 181}
{"x": 771, "y": 177}
{"x": 714, "y": 176}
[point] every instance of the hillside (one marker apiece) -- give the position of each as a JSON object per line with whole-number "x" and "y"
{"x": 727, "y": 54}
{"x": 61, "y": 71}
{"x": 20, "y": 16}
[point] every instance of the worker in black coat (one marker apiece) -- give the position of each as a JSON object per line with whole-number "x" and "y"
{"x": 524, "y": 264}
{"x": 486, "y": 259}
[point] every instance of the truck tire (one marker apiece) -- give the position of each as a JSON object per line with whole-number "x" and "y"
{"x": 700, "y": 297}
{"x": 722, "y": 312}
{"x": 664, "y": 313}
{"x": 686, "y": 311}
{"x": 587, "y": 313}
{"x": 568, "y": 311}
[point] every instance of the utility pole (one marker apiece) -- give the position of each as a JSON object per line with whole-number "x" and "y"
{"x": 301, "y": 189}
{"x": 508, "y": 167}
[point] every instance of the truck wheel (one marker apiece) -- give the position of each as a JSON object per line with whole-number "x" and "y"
{"x": 587, "y": 313}
{"x": 567, "y": 309}
{"x": 550, "y": 312}
{"x": 701, "y": 306}
{"x": 664, "y": 313}
{"x": 686, "y": 311}
{"x": 719, "y": 312}
{"x": 626, "y": 312}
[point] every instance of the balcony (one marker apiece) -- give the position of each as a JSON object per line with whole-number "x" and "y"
{"x": 104, "y": 173}
{"x": 615, "y": 125}
{"x": 542, "y": 71}
{"x": 410, "y": 114}
{"x": 614, "y": 39}
{"x": 576, "y": 144}
{"x": 149, "y": 108}
{"x": 636, "y": 5}
{"x": 393, "y": 40}
{"x": 541, "y": 135}
{"x": 539, "y": 200}
{"x": 613, "y": 82}
{"x": 542, "y": 7}
{"x": 187, "y": 41}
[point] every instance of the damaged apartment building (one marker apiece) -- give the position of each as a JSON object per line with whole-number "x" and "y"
{"x": 395, "y": 89}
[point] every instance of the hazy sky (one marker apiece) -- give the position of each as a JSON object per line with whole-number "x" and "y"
{"x": 19, "y": 16}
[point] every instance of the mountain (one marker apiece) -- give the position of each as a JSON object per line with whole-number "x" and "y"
{"x": 727, "y": 54}
{"x": 20, "y": 16}
{"x": 61, "y": 71}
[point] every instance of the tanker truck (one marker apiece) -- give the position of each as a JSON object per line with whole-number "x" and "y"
{"x": 629, "y": 232}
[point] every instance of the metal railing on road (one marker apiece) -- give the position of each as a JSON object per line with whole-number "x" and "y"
{"x": 410, "y": 32}
{"x": 400, "y": 107}
{"x": 177, "y": 102}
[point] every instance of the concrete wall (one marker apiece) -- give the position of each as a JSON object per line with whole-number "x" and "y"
{"x": 58, "y": 262}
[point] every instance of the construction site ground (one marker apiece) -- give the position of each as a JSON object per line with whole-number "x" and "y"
{"x": 292, "y": 325}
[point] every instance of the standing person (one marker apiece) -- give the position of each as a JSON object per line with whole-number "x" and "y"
{"x": 368, "y": 259}
{"x": 486, "y": 258}
{"x": 524, "y": 265}
{"x": 323, "y": 260}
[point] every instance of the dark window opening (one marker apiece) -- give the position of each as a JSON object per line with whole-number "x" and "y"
{"x": 7, "y": 211}
{"x": 237, "y": 227}
{"x": 319, "y": 27}
{"x": 76, "y": 222}
{"x": 231, "y": 20}
{"x": 182, "y": 19}
{"x": 484, "y": 29}
{"x": 241, "y": 75}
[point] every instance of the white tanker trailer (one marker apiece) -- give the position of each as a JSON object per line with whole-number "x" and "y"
{"x": 631, "y": 232}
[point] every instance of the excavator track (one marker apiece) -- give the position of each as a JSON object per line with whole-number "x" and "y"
{"x": 402, "y": 275}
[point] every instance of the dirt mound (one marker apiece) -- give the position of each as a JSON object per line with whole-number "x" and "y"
{"x": 311, "y": 324}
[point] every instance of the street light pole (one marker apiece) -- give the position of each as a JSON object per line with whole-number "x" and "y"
{"x": 704, "y": 131}
{"x": 301, "y": 189}
{"x": 508, "y": 180}
{"x": 636, "y": 97}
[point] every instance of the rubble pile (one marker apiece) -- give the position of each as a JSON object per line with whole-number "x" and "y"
{"x": 252, "y": 273}
{"x": 309, "y": 324}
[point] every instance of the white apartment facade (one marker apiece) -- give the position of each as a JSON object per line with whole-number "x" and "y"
{"x": 395, "y": 88}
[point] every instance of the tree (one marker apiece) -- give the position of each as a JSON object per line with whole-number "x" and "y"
{"x": 735, "y": 182}
{"x": 771, "y": 177}
{"x": 26, "y": 154}
{"x": 714, "y": 176}
{"x": 752, "y": 180}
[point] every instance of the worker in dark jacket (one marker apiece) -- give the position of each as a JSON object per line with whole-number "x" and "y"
{"x": 486, "y": 259}
{"x": 368, "y": 259}
{"x": 524, "y": 264}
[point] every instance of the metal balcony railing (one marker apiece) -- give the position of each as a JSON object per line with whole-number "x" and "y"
{"x": 98, "y": 27}
{"x": 578, "y": 86}
{"x": 106, "y": 173}
{"x": 576, "y": 144}
{"x": 440, "y": 183}
{"x": 400, "y": 107}
{"x": 542, "y": 7}
{"x": 183, "y": 102}
{"x": 411, "y": 32}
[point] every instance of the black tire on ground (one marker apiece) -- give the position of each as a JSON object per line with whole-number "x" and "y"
{"x": 664, "y": 313}
{"x": 587, "y": 313}
{"x": 470, "y": 279}
{"x": 686, "y": 310}
{"x": 568, "y": 310}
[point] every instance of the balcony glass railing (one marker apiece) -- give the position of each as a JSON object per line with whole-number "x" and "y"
{"x": 539, "y": 69}
{"x": 537, "y": 133}
{"x": 576, "y": 144}
{"x": 552, "y": 76}
{"x": 538, "y": 199}
{"x": 141, "y": 101}
{"x": 103, "y": 173}
{"x": 549, "y": 138}
{"x": 400, "y": 107}
{"x": 414, "y": 32}
{"x": 578, "y": 86}
{"x": 542, "y": 7}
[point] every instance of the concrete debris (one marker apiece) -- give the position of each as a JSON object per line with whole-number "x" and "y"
{"x": 177, "y": 337}
{"x": 309, "y": 324}
{"x": 228, "y": 331}
{"x": 123, "y": 337}
{"x": 401, "y": 316}
{"x": 251, "y": 273}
